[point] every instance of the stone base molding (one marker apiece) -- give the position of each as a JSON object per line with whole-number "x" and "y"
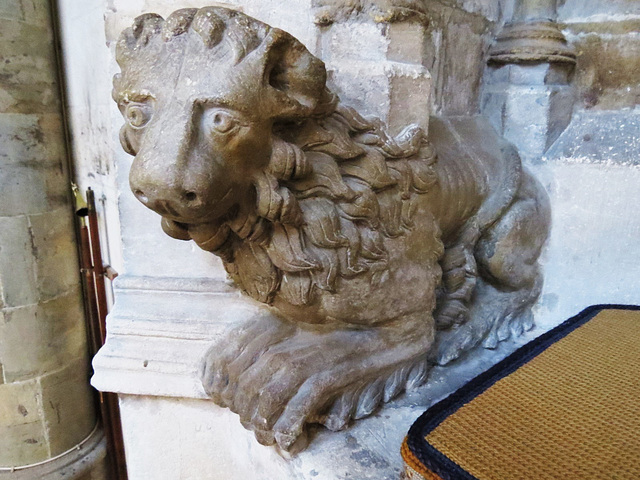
{"x": 532, "y": 42}
{"x": 85, "y": 461}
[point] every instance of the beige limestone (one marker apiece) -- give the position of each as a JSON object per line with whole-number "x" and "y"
{"x": 375, "y": 68}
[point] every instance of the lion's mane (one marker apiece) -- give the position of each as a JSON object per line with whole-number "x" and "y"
{"x": 336, "y": 185}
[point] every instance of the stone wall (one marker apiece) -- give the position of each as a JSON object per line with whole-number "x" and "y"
{"x": 46, "y": 404}
{"x": 459, "y": 35}
{"x": 606, "y": 36}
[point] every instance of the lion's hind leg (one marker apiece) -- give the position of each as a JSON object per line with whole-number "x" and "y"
{"x": 459, "y": 275}
{"x": 509, "y": 280}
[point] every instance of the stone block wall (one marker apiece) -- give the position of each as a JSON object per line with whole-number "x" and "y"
{"x": 459, "y": 35}
{"x": 46, "y": 404}
{"x": 606, "y": 36}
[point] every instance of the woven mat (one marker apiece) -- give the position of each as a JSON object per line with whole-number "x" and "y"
{"x": 565, "y": 406}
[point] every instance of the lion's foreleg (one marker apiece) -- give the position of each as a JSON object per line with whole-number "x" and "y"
{"x": 278, "y": 381}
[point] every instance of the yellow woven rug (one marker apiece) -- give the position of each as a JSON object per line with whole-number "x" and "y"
{"x": 565, "y": 406}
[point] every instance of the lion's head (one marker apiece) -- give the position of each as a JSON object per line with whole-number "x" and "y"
{"x": 240, "y": 146}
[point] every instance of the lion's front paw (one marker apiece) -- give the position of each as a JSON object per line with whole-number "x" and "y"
{"x": 224, "y": 363}
{"x": 281, "y": 380}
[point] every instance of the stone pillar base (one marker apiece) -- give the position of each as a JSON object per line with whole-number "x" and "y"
{"x": 527, "y": 96}
{"x": 531, "y": 42}
{"x": 88, "y": 461}
{"x": 529, "y": 104}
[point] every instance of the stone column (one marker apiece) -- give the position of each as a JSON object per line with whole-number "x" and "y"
{"x": 527, "y": 94}
{"x": 374, "y": 55}
{"x": 47, "y": 418}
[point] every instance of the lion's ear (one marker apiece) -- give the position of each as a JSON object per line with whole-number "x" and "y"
{"x": 294, "y": 77}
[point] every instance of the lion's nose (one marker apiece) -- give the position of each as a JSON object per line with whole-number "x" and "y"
{"x": 163, "y": 205}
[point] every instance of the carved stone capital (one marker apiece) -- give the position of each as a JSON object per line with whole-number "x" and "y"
{"x": 526, "y": 42}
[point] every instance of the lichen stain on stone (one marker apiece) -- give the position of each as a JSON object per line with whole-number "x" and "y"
{"x": 368, "y": 459}
{"x": 352, "y": 442}
{"x": 607, "y": 69}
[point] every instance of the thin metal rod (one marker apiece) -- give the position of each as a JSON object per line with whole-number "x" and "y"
{"x": 98, "y": 266}
{"x": 108, "y": 401}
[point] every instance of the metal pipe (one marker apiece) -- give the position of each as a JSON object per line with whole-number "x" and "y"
{"x": 108, "y": 401}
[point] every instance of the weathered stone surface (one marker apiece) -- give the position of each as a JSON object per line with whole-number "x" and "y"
{"x": 376, "y": 68}
{"x": 596, "y": 10}
{"x": 455, "y": 50}
{"x": 530, "y": 105}
{"x": 32, "y": 12}
{"x": 32, "y": 162}
{"x": 23, "y": 444}
{"x": 450, "y": 43}
{"x": 607, "y": 64}
{"x": 25, "y": 63}
{"x": 55, "y": 253}
{"x": 18, "y": 283}
{"x": 56, "y": 336}
{"x": 599, "y": 138}
{"x": 20, "y": 403}
{"x": 23, "y": 439}
{"x": 67, "y": 420}
{"x": 31, "y": 140}
{"x": 43, "y": 186}
{"x": 86, "y": 462}
{"x": 594, "y": 208}
{"x": 607, "y": 44}
{"x": 347, "y": 230}
{"x": 41, "y": 317}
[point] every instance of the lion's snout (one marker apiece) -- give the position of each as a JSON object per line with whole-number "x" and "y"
{"x": 163, "y": 194}
{"x": 177, "y": 208}
{"x": 188, "y": 190}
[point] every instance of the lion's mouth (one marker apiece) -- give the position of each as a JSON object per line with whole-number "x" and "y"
{"x": 164, "y": 208}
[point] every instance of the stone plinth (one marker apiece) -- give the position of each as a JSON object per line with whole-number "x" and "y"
{"x": 173, "y": 430}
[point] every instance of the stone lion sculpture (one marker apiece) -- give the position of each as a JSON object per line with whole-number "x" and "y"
{"x": 375, "y": 256}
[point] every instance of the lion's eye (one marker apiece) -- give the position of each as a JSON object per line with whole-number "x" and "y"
{"x": 223, "y": 122}
{"x": 138, "y": 114}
